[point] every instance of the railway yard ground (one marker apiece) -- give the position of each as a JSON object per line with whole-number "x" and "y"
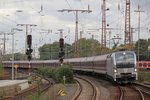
{"x": 144, "y": 76}
{"x": 105, "y": 89}
{"x": 60, "y": 92}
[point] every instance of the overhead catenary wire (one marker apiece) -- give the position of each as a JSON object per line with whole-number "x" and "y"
{"x": 13, "y": 2}
{"x": 85, "y": 18}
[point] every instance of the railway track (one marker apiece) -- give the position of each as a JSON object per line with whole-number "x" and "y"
{"x": 42, "y": 88}
{"x": 86, "y": 90}
{"x": 134, "y": 92}
{"x": 144, "y": 90}
{"x": 121, "y": 95}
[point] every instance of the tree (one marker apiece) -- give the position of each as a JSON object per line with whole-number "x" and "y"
{"x": 143, "y": 49}
{"x": 123, "y": 47}
{"x": 62, "y": 71}
{"x": 105, "y": 50}
{"x": 17, "y": 56}
{"x": 49, "y": 51}
{"x": 87, "y": 47}
{"x": 68, "y": 50}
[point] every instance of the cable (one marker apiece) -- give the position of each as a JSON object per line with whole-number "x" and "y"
{"x": 68, "y": 4}
{"x": 82, "y": 5}
{"x": 16, "y": 1}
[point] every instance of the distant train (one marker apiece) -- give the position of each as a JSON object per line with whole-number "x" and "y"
{"x": 119, "y": 66}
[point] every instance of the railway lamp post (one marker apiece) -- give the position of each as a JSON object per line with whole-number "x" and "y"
{"x": 12, "y": 33}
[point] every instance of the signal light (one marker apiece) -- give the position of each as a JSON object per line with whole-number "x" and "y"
{"x": 61, "y": 60}
{"x": 61, "y": 54}
{"x": 61, "y": 42}
{"x": 29, "y": 40}
{"x": 28, "y": 53}
{"x": 29, "y": 57}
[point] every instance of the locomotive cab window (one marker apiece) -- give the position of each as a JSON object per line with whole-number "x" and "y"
{"x": 124, "y": 60}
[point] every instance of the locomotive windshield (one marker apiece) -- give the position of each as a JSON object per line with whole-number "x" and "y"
{"x": 124, "y": 60}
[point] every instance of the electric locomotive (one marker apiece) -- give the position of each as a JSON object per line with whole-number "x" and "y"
{"x": 121, "y": 66}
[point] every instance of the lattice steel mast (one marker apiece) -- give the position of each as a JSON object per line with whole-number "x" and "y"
{"x": 76, "y": 29}
{"x": 127, "y": 24}
{"x": 103, "y": 35}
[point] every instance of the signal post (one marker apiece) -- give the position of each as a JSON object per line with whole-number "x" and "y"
{"x": 61, "y": 45}
{"x": 29, "y": 51}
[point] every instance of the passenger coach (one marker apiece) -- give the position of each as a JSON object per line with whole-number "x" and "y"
{"x": 119, "y": 66}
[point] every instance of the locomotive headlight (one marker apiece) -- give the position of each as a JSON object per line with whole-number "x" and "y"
{"x": 135, "y": 69}
{"x": 115, "y": 70}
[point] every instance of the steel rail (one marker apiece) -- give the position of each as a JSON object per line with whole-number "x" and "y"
{"x": 143, "y": 86}
{"x": 80, "y": 88}
{"x": 139, "y": 91}
{"x": 93, "y": 88}
{"x": 121, "y": 93}
{"x": 30, "y": 90}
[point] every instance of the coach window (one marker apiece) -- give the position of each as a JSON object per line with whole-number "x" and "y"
{"x": 84, "y": 63}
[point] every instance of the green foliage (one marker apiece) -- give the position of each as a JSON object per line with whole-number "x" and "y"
{"x": 87, "y": 47}
{"x": 105, "y": 50}
{"x": 144, "y": 76}
{"x": 66, "y": 71}
{"x": 50, "y": 51}
{"x": 68, "y": 51}
{"x": 123, "y": 47}
{"x": 33, "y": 96}
{"x": 143, "y": 49}
{"x": 57, "y": 74}
{"x": 49, "y": 72}
{"x": 17, "y": 56}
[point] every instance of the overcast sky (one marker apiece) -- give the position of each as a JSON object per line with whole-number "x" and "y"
{"x": 44, "y": 14}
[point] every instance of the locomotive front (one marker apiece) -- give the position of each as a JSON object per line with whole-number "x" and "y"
{"x": 125, "y": 66}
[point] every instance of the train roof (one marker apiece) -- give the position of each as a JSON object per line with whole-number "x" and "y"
{"x": 33, "y": 61}
{"x": 101, "y": 57}
{"x": 74, "y": 59}
{"x": 123, "y": 51}
{"x": 90, "y": 58}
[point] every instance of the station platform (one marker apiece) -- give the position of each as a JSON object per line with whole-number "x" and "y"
{"x": 10, "y": 87}
{"x": 4, "y": 83}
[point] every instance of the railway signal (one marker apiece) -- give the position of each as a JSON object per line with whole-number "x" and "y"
{"x": 29, "y": 50}
{"x": 61, "y": 53}
{"x": 61, "y": 60}
{"x": 61, "y": 56}
{"x": 28, "y": 53}
{"x": 61, "y": 43}
{"x": 29, "y": 40}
